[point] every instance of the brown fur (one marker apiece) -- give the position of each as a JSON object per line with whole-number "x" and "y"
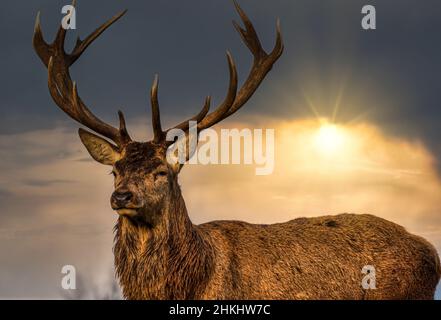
{"x": 306, "y": 258}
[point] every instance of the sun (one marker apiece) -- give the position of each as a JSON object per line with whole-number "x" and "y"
{"x": 329, "y": 138}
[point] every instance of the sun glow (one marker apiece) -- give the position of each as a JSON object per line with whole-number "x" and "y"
{"x": 330, "y": 138}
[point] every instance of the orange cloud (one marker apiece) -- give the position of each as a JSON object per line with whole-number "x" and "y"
{"x": 58, "y": 211}
{"x": 365, "y": 171}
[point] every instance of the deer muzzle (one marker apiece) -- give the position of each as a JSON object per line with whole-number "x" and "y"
{"x": 122, "y": 202}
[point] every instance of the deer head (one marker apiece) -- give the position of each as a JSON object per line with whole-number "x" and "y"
{"x": 144, "y": 179}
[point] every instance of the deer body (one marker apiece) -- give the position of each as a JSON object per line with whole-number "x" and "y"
{"x": 306, "y": 258}
{"x": 160, "y": 254}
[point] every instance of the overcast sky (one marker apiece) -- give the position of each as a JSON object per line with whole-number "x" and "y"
{"x": 54, "y": 214}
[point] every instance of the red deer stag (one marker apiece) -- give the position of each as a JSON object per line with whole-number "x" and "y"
{"x": 161, "y": 254}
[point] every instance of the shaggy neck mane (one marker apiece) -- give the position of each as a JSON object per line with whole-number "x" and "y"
{"x": 172, "y": 260}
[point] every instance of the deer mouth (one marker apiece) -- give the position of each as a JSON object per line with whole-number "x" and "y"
{"x": 127, "y": 211}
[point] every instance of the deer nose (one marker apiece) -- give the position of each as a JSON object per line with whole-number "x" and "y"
{"x": 121, "y": 198}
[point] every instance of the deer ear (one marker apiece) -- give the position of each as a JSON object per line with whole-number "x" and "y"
{"x": 173, "y": 158}
{"x": 101, "y": 150}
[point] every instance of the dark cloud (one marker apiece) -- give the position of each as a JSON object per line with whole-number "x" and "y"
{"x": 395, "y": 69}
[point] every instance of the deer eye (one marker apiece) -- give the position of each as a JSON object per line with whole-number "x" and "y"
{"x": 161, "y": 173}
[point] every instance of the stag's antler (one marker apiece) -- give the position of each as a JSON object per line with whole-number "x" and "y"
{"x": 63, "y": 90}
{"x": 234, "y": 100}
{"x": 65, "y": 94}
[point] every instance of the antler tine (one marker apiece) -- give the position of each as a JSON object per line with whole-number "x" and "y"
{"x": 184, "y": 125}
{"x": 218, "y": 114}
{"x": 156, "y": 116}
{"x": 123, "y": 128}
{"x": 44, "y": 50}
{"x": 249, "y": 34}
{"x": 205, "y": 120}
{"x": 61, "y": 87}
{"x": 278, "y": 47}
{"x": 82, "y": 45}
{"x": 262, "y": 64}
{"x": 159, "y": 135}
